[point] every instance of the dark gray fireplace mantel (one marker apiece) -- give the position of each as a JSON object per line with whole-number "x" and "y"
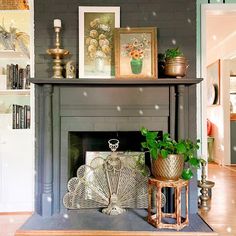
{"x": 64, "y": 105}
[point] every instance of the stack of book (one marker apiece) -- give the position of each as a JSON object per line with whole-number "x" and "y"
{"x": 18, "y": 78}
{"x": 20, "y": 117}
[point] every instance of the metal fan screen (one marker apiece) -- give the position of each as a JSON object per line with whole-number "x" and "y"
{"x": 113, "y": 184}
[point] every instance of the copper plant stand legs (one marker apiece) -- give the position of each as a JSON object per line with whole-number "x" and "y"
{"x": 155, "y": 218}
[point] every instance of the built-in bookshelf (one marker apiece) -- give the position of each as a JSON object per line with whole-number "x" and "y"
{"x": 15, "y": 116}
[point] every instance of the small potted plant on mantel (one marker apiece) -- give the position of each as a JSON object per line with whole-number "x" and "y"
{"x": 175, "y": 63}
{"x": 170, "y": 159}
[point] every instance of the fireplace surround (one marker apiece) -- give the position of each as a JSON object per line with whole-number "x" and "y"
{"x": 90, "y": 105}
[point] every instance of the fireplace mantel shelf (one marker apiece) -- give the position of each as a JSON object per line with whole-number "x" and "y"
{"x": 162, "y": 81}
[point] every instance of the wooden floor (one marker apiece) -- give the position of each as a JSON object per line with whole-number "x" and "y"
{"x": 222, "y": 216}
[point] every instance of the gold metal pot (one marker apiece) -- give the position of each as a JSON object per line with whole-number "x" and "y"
{"x": 176, "y": 67}
{"x": 169, "y": 168}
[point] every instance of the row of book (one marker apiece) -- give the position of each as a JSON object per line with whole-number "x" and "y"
{"x": 20, "y": 116}
{"x": 18, "y": 78}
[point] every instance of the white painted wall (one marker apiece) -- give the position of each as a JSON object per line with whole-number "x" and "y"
{"x": 219, "y": 115}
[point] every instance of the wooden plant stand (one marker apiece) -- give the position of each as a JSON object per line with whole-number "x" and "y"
{"x": 155, "y": 218}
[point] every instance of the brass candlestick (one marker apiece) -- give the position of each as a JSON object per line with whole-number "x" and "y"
{"x": 57, "y": 54}
{"x": 205, "y": 186}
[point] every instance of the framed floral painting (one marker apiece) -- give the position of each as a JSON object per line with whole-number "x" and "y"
{"x": 136, "y": 53}
{"x": 96, "y": 41}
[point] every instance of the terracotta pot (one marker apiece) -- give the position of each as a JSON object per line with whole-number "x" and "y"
{"x": 169, "y": 168}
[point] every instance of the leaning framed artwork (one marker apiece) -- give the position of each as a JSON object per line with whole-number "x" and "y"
{"x": 136, "y": 53}
{"x": 213, "y": 83}
{"x": 96, "y": 41}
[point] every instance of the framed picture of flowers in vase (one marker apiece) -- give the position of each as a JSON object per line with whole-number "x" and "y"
{"x": 96, "y": 41}
{"x": 136, "y": 53}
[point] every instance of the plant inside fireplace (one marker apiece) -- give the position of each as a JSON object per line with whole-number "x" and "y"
{"x": 164, "y": 150}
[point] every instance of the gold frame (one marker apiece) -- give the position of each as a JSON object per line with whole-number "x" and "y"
{"x": 153, "y": 54}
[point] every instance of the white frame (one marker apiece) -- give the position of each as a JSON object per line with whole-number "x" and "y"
{"x": 94, "y": 9}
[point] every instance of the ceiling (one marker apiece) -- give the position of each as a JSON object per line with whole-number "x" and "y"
{"x": 219, "y": 28}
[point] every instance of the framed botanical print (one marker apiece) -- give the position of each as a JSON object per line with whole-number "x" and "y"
{"x": 213, "y": 83}
{"x": 96, "y": 41}
{"x": 136, "y": 53}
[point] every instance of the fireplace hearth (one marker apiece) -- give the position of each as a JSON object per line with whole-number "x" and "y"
{"x": 65, "y": 107}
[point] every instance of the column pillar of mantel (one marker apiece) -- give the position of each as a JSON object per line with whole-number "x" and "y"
{"x": 180, "y": 112}
{"x": 47, "y": 178}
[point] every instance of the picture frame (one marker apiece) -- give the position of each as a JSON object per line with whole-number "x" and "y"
{"x": 213, "y": 83}
{"x": 136, "y": 53}
{"x": 96, "y": 41}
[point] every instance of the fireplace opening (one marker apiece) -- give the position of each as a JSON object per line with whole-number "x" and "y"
{"x": 81, "y": 142}
{"x": 129, "y": 141}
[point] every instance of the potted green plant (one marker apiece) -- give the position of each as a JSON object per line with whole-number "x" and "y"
{"x": 171, "y": 159}
{"x": 175, "y": 63}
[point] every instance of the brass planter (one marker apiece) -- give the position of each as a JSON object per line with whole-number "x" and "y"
{"x": 176, "y": 67}
{"x": 169, "y": 168}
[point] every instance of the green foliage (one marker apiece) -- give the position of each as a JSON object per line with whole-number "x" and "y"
{"x": 162, "y": 147}
{"x": 172, "y": 53}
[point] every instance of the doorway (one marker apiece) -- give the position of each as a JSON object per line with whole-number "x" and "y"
{"x": 218, "y": 37}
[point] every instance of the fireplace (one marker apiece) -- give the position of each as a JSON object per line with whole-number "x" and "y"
{"x": 112, "y": 107}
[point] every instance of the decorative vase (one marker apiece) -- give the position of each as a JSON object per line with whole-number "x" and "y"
{"x": 169, "y": 168}
{"x": 136, "y": 66}
{"x": 99, "y": 64}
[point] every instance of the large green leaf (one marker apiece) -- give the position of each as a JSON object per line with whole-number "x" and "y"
{"x": 164, "y": 153}
{"x": 187, "y": 174}
{"x": 181, "y": 148}
{"x": 153, "y": 153}
{"x": 194, "y": 162}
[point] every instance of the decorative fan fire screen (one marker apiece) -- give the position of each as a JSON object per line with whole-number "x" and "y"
{"x": 112, "y": 184}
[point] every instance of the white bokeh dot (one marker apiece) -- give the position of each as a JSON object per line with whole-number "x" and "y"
{"x": 128, "y": 28}
{"x": 11, "y": 220}
{"x": 49, "y": 199}
{"x": 173, "y": 41}
{"x": 66, "y": 216}
{"x": 181, "y": 107}
{"x": 154, "y": 13}
{"x": 214, "y": 177}
{"x": 140, "y": 89}
{"x": 157, "y": 107}
{"x": 189, "y": 20}
{"x": 229, "y": 229}
{"x": 118, "y": 108}
{"x": 140, "y": 112}
{"x": 85, "y": 93}
{"x": 234, "y": 148}
{"x": 214, "y": 37}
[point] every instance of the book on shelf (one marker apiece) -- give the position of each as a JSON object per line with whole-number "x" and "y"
{"x": 20, "y": 116}
{"x": 18, "y": 78}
